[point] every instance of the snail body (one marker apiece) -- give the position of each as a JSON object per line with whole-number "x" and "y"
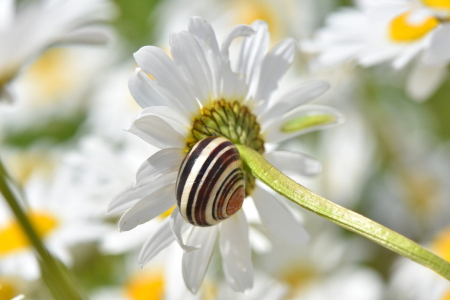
{"x": 210, "y": 185}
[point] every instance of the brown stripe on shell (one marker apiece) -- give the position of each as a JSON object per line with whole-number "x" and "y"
{"x": 210, "y": 185}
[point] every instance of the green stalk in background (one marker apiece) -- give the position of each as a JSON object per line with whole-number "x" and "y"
{"x": 348, "y": 219}
{"x": 53, "y": 272}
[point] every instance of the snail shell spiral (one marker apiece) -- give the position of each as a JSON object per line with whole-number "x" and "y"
{"x": 210, "y": 185}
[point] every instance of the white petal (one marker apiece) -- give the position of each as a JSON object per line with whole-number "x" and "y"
{"x": 236, "y": 255}
{"x": 406, "y": 56}
{"x": 156, "y": 131}
{"x": 189, "y": 56}
{"x": 294, "y": 162}
{"x": 178, "y": 226}
{"x": 438, "y": 51}
{"x": 142, "y": 88}
{"x": 293, "y": 97}
{"x": 259, "y": 241}
{"x": 7, "y": 13}
{"x": 237, "y": 31}
{"x": 196, "y": 263}
{"x": 278, "y": 219}
{"x": 132, "y": 194}
{"x": 275, "y": 134}
{"x": 162, "y": 162}
{"x": 375, "y": 55}
{"x": 424, "y": 80}
{"x": 178, "y": 121}
{"x": 159, "y": 239}
{"x": 204, "y": 33}
{"x": 116, "y": 242}
{"x": 121, "y": 201}
{"x": 91, "y": 35}
{"x": 148, "y": 92}
{"x": 156, "y": 62}
{"x": 148, "y": 208}
{"x": 231, "y": 85}
{"x": 252, "y": 51}
{"x": 273, "y": 67}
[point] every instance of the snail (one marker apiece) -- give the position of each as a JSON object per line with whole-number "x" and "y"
{"x": 210, "y": 185}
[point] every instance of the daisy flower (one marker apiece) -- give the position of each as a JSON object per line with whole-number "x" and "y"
{"x": 59, "y": 219}
{"x": 400, "y": 31}
{"x": 198, "y": 93}
{"x": 28, "y": 29}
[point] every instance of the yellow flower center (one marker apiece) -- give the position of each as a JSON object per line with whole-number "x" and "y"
{"x": 13, "y": 238}
{"x": 443, "y": 4}
{"x": 146, "y": 286}
{"x": 441, "y": 245}
{"x": 249, "y": 11}
{"x": 51, "y": 76}
{"x": 7, "y": 290}
{"x": 298, "y": 278}
{"x": 403, "y": 30}
{"x": 447, "y": 296}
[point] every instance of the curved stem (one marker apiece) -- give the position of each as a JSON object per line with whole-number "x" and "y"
{"x": 54, "y": 273}
{"x": 348, "y": 219}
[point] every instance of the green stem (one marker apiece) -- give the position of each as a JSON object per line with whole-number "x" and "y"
{"x": 348, "y": 219}
{"x": 53, "y": 272}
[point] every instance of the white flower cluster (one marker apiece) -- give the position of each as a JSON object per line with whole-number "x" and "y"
{"x": 244, "y": 71}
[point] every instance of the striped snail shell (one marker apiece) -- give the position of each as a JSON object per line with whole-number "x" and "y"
{"x": 210, "y": 185}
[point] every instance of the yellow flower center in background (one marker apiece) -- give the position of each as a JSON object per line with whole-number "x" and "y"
{"x": 249, "y": 11}
{"x": 146, "y": 286}
{"x": 441, "y": 245}
{"x": 51, "y": 77}
{"x": 445, "y": 4}
{"x": 13, "y": 238}
{"x": 298, "y": 277}
{"x": 403, "y": 30}
{"x": 7, "y": 290}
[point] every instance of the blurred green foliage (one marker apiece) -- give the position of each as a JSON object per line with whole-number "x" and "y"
{"x": 55, "y": 130}
{"x": 134, "y": 24}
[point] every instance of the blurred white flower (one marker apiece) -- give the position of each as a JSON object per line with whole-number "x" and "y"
{"x": 199, "y": 80}
{"x": 111, "y": 106}
{"x": 162, "y": 279}
{"x": 330, "y": 266}
{"x": 60, "y": 218}
{"x": 28, "y": 29}
{"x": 286, "y": 18}
{"x": 412, "y": 195}
{"x": 410, "y": 281}
{"x": 400, "y": 31}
